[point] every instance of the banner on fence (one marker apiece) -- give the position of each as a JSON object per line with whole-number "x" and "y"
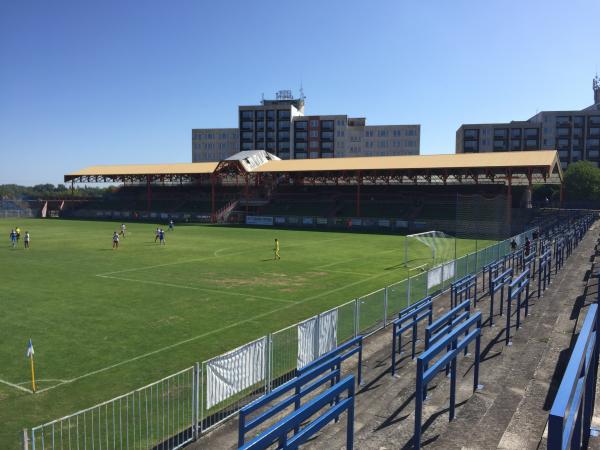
{"x": 448, "y": 270}
{"x": 313, "y": 343}
{"x": 434, "y": 277}
{"x": 234, "y": 371}
{"x": 322, "y": 220}
{"x": 307, "y": 220}
{"x": 259, "y": 220}
{"x": 279, "y": 220}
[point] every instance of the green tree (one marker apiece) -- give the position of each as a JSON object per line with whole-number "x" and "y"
{"x": 582, "y": 181}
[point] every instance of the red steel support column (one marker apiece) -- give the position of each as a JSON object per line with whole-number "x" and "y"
{"x": 562, "y": 194}
{"x": 509, "y": 203}
{"x": 246, "y": 192}
{"x": 358, "y": 183}
{"x": 148, "y": 193}
{"x": 213, "y": 214}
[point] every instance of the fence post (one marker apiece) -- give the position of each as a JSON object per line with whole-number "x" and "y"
{"x": 316, "y": 336}
{"x": 200, "y": 398}
{"x": 356, "y": 313}
{"x": 194, "y": 403}
{"x": 408, "y": 292}
{"x": 25, "y": 439}
{"x": 269, "y": 362}
{"x": 385, "y": 305}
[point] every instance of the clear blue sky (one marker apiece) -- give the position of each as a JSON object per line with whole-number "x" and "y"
{"x": 85, "y": 83}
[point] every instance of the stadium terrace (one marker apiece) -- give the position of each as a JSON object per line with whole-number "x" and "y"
{"x": 254, "y": 168}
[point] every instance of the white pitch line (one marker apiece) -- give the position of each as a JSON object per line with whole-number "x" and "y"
{"x": 16, "y": 386}
{"x": 209, "y": 333}
{"x": 348, "y": 272}
{"x": 195, "y": 288}
{"x": 344, "y": 261}
{"x": 205, "y": 258}
{"x": 46, "y": 380}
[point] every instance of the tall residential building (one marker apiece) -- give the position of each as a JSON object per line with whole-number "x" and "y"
{"x": 210, "y": 144}
{"x": 280, "y": 127}
{"x": 575, "y": 134}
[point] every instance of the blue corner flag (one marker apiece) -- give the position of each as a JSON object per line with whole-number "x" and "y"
{"x": 30, "y": 349}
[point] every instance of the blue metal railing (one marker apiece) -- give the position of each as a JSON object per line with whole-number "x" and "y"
{"x": 278, "y": 433}
{"x": 498, "y": 284}
{"x": 327, "y": 372}
{"x": 516, "y": 289}
{"x": 425, "y": 373}
{"x": 406, "y": 321}
{"x": 571, "y": 414}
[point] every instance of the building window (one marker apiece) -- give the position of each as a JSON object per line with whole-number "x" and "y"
{"x": 515, "y": 132}
{"x": 327, "y": 125}
{"x": 500, "y": 132}
{"x": 592, "y": 142}
{"x": 300, "y": 135}
{"x": 283, "y": 115}
{"x": 248, "y": 115}
{"x": 271, "y": 114}
{"x": 595, "y": 131}
{"x": 531, "y": 132}
{"x": 562, "y": 120}
{"x": 300, "y": 146}
{"x": 531, "y": 144}
{"x": 245, "y": 126}
{"x": 314, "y": 144}
{"x": 301, "y": 125}
{"x": 283, "y": 135}
{"x": 314, "y": 133}
{"x": 270, "y": 125}
{"x": 578, "y": 121}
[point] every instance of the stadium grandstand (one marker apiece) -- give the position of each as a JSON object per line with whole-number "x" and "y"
{"x": 405, "y": 193}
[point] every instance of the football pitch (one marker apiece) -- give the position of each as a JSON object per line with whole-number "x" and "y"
{"x": 104, "y": 321}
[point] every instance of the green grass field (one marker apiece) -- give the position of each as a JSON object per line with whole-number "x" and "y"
{"x": 105, "y": 321}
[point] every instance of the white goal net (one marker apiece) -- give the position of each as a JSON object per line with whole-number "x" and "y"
{"x": 434, "y": 247}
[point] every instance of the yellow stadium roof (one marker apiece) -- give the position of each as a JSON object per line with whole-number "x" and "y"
{"x": 146, "y": 169}
{"x": 543, "y": 165}
{"x": 540, "y": 158}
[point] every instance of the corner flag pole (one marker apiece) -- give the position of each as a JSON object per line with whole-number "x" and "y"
{"x": 32, "y": 374}
{"x": 30, "y": 353}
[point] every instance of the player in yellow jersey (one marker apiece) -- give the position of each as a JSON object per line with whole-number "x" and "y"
{"x": 276, "y": 249}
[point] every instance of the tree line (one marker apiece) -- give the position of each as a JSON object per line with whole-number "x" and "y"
{"x": 49, "y": 191}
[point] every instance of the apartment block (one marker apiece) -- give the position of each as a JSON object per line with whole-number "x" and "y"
{"x": 280, "y": 127}
{"x": 575, "y": 134}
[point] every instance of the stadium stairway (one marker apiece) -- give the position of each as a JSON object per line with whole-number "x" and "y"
{"x": 520, "y": 381}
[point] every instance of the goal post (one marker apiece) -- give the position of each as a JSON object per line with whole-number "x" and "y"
{"x": 441, "y": 247}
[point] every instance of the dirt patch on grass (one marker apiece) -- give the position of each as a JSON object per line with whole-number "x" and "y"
{"x": 289, "y": 283}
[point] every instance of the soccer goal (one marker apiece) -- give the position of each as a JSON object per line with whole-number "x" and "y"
{"x": 434, "y": 246}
